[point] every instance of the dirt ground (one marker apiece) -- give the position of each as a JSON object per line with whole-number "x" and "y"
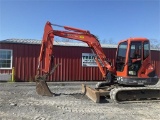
{"x": 19, "y": 101}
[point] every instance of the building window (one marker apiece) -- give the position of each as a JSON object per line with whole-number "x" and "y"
{"x": 5, "y": 59}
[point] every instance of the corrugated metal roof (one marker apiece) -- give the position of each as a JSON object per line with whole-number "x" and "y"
{"x": 33, "y": 41}
{"x": 21, "y": 41}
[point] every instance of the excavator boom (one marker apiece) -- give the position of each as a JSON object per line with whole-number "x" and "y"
{"x": 46, "y": 51}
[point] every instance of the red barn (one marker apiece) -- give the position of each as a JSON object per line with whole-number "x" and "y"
{"x": 22, "y": 54}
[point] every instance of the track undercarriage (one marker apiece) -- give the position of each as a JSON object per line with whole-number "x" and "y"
{"x": 121, "y": 94}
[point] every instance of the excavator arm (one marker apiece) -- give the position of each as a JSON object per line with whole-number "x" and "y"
{"x": 46, "y": 53}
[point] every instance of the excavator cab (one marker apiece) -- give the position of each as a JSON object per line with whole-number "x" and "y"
{"x": 133, "y": 63}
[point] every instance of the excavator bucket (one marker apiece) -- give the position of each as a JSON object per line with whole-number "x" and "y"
{"x": 41, "y": 85}
{"x": 43, "y": 89}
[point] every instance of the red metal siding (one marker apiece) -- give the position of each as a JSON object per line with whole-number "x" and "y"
{"x": 25, "y": 59}
{"x": 71, "y": 65}
{"x": 155, "y": 58}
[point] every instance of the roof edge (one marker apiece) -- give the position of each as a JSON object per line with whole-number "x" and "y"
{"x": 57, "y": 43}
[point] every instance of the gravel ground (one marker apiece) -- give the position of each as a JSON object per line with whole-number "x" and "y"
{"x": 19, "y": 101}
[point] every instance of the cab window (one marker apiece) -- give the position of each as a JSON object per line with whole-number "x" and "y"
{"x": 135, "y": 51}
{"x": 146, "y": 50}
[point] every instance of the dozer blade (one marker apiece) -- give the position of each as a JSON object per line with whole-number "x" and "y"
{"x": 94, "y": 94}
{"x": 43, "y": 89}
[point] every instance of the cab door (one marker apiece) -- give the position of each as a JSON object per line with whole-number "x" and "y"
{"x": 135, "y": 58}
{"x": 121, "y": 59}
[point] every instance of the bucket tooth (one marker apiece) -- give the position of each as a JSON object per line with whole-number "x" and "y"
{"x": 43, "y": 89}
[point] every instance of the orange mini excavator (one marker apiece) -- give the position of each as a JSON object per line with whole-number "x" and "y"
{"x": 128, "y": 80}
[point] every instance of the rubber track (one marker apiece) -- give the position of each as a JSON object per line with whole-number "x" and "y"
{"x": 113, "y": 94}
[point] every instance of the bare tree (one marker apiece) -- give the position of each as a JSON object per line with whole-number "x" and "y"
{"x": 63, "y": 39}
{"x": 109, "y": 41}
{"x": 155, "y": 44}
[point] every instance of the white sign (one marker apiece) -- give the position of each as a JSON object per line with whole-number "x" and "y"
{"x": 88, "y": 60}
